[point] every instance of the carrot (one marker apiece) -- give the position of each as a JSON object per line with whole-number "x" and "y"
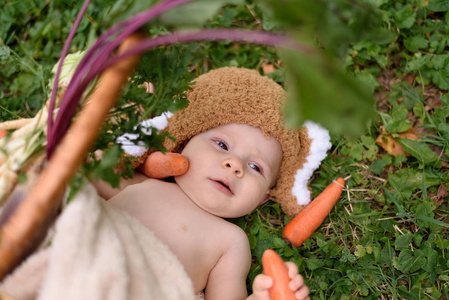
{"x": 301, "y": 227}
{"x": 160, "y": 165}
{"x": 274, "y": 266}
{"x": 3, "y": 133}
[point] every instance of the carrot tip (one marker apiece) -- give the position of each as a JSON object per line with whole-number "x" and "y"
{"x": 340, "y": 181}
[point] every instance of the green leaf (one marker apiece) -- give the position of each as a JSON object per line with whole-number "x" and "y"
{"x": 278, "y": 242}
{"x": 314, "y": 263}
{"x": 441, "y": 79}
{"x": 424, "y": 213}
{"x": 356, "y": 151}
{"x": 360, "y": 252}
{"x": 405, "y": 17}
{"x": 5, "y": 52}
{"x": 411, "y": 95}
{"x": 368, "y": 80}
{"x": 371, "y": 147}
{"x": 416, "y": 42}
{"x": 347, "y": 256}
{"x": 406, "y": 180}
{"x": 443, "y": 129}
{"x": 378, "y": 166}
{"x": 438, "y": 5}
{"x": 402, "y": 242}
{"x": 419, "y": 150}
{"x": 411, "y": 261}
{"x": 418, "y": 63}
{"x": 432, "y": 258}
{"x": 386, "y": 255}
{"x": 439, "y": 61}
{"x": 396, "y": 122}
{"x": 196, "y": 13}
{"x": 314, "y": 83}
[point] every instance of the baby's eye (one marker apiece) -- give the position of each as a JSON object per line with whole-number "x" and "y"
{"x": 222, "y": 145}
{"x": 255, "y": 167}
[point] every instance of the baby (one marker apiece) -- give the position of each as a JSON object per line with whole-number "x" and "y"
{"x": 234, "y": 166}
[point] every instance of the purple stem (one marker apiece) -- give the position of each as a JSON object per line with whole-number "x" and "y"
{"x": 237, "y": 35}
{"x": 97, "y": 55}
{"x": 64, "y": 52}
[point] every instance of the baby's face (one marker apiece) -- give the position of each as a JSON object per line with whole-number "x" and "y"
{"x": 232, "y": 168}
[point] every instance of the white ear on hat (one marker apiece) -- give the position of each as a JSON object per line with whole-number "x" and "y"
{"x": 127, "y": 140}
{"x": 318, "y": 151}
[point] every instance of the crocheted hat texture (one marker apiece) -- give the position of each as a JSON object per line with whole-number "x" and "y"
{"x": 237, "y": 95}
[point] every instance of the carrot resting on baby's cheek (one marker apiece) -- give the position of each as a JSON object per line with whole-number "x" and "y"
{"x": 274, "y": 266}
{"x": 159, "y": 165}
{"x": 310, "y": 218}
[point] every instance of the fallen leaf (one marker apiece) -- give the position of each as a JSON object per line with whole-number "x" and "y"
{"x": 410, "y": 134}
{"x": 410, "y": 78}
{"x": 391, "y": 145}
{"x": 441, "y": 195}
{"x": 268, "y": 68}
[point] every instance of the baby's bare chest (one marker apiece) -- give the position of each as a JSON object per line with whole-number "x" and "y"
{"x": 194, "y": 236}
{"x": 197, "y": 241}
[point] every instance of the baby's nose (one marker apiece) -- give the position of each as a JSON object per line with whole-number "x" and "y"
{"x": 234, "y": 165}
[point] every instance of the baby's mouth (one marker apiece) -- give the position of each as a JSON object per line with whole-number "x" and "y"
{"x": 223, "y": 186}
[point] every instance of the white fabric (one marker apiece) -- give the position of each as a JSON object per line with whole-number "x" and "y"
{"x": 100, "y": 252}
{"x": 318, "y": 151}
{"x": 128, "y": 140}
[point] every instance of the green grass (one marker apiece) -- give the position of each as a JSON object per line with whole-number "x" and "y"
{"x": 387, "y": 237}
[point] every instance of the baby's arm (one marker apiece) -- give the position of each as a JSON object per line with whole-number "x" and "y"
{"x": 263, "y": 282}
{"x": 106, "y": 191}
{"x": 227, "y": 280}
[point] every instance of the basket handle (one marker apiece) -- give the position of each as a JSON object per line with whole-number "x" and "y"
{"x": 27, "y": 227}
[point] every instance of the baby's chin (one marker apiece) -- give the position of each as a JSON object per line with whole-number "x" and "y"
{"x": 216, "y": 208}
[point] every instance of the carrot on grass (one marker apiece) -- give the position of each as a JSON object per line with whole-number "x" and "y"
{"x": 301, "y": 227}
{"x": 274, "y": 266}
{"x": 163, "y": 165}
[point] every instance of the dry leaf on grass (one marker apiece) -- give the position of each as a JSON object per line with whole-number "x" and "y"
{"x": 268, "y": 68}
{"x": 441, "y": 196}
{"x": 391, "y": 145}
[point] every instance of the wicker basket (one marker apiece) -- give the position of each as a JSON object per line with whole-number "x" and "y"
{"x": 32, "y": 211}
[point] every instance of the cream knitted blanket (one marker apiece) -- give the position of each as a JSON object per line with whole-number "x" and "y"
{"x": 99, "y": 252}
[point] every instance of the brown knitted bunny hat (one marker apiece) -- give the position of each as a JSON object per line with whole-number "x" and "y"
{"x": 237, "y": 95}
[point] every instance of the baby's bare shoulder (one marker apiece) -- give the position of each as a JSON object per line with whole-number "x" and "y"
{"x": 233, "y": 237}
